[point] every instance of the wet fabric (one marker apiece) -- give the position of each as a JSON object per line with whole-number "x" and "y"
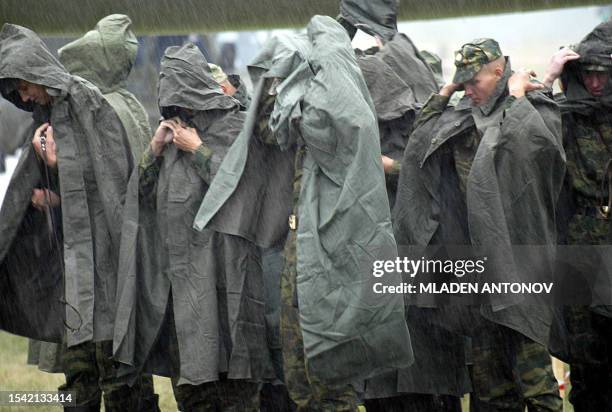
{"x": 14, "y": 127}
{"x": 215, "y": 280}
{"x": 496, "y": 208}
{"x": 582, "y": 334}
{"x": 342, "y": 207}
{"x": 105, "y": 57}
{"x": 399, "y": 80}
{"x": 94, "y": 163}
{"x": 375, "y": 17}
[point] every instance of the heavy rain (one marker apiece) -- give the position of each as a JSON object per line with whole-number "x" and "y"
{"x": 205, "y": 204}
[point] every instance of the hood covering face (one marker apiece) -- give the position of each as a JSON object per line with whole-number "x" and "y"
{"x": 375, "y": 17}
{"x": 186, "y": 81}
{"x": 595, "y": 49}
{"x": 94, "y": 161}
{"x": 104, "y": 55}
{"x": 24, "y": 56}
{"x": 323, "y": 106}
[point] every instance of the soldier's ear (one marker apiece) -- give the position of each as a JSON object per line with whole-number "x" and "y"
{"x": 499, "y": 72}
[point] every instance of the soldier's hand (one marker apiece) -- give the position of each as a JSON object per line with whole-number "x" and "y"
{"x": 557, "y": 63}
{"x": 163, "y": 135}
{"x": 186, "y": 139}
{"x": 387, "y": 163}
{"x": 51, "y": 154}
{"x": 42, "y": 198}
{"x": 449, "y": 89}
{"x": 520, "y": 83}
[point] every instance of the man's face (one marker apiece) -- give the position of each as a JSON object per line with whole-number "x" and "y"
{"x": 595, "y": 81}
{"x": 33, "y": 92}
{"x": 481, "y": 87}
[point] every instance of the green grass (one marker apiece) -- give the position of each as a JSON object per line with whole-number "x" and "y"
{"x": 16, "y": 374}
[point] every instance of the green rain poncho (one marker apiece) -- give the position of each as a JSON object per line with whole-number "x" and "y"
{"x": 94, "y": 163}
{"x": 214, "y": 280}
{"x": 343, "y": 213}
{"x": 513, "y": 183}
{"x": 104, "y": 56}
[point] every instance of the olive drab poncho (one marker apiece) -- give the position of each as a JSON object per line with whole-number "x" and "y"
{"x": 94, "y": 163}
{"x": 104, "y": 56}
{"x": 343, "y": 213}
{"x": 399, "y": 81}
{"x": 375, "y": 17}
{"x": 214, "y": 280}
{"x": 518, "y": 168}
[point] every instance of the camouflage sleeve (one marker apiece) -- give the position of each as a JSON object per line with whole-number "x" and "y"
{"x": 509, "y": 101}
{"x": 201, "y": 162}
{"x": 434, "y": 106}
{"x": 148, "y": 169}
{"x": 262, "y": 128}
{"x": 395, "y": 169}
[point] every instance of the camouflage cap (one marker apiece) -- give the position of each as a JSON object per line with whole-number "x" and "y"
{"x": 590, "y": 67}
{"x": 472, "y": 56}
{"x": 217, "y": 73}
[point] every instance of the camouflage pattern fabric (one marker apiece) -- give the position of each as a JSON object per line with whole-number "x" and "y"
{"x": 473, "y": 56}
{"x": 511, "y": 372}
{"x": 90, "y": 372}
{"x": 307, "y": 393}
{"x": 588, "y": 145}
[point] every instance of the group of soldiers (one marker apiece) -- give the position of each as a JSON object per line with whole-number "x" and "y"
{"x": 224, "y": 249}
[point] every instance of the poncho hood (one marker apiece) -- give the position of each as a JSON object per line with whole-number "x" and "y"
{"x": 186, "y": 81}
{"x": 104, "y": 55}
{"x": 23, "y": 55}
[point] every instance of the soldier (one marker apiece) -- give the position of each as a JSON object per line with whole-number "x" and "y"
{"x": 105, "y": 57}
{"x": 307, "y": 156}
{"x": 586, "y": 106}
{"x": 190, "y": 304}
{"x": 231, "y": 85}
{"x": 60, "y": 238}
{"x": 445, "y": 187}
{"x": 400, "y": 79}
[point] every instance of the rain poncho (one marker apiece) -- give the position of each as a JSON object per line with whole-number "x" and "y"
{"x": 94, "y": 163}
{"x": 343, "y": 213}
{"x": 399, "y": 81}
{"x": 14, "y": 127}
{"x": 214, "y": 280}
{"x": 104, "y": 56}
{"x": 375, "y": 17}
{"x": 517, "y": 169}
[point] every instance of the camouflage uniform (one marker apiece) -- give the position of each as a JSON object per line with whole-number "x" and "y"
{"x": 90, "y": 371}
{"x": 588, "y": 145}
{"x": 510, "y": 371}
{"x": 307, "y": 393}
